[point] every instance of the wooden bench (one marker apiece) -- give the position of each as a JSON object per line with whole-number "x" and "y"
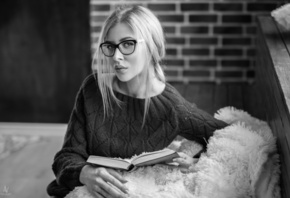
{"x": 273, "y": 79}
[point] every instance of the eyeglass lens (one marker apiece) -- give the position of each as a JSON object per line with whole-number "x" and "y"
{"x": 125, "y": 47}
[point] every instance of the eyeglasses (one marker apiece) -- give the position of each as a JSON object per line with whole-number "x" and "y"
{"x": 126, "y": 47}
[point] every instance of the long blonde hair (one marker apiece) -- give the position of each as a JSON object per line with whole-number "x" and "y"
{"x": 146, "y": 25}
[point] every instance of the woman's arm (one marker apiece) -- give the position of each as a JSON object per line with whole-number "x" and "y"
{"x": 70, "y": 165}
{"x": 196, "y": 124}
{"x": 69, "y": 161}
{"x": 103, "y": 182}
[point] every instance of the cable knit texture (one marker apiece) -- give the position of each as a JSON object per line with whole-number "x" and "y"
{"x": 121, "y": 135}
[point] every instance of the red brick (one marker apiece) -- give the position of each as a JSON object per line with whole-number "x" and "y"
{"x": 204, "y": 41}
{"x": 236, "y": 41}
{"x": 173, "y": 62}
{"x": 171, "y": 51}
{"x": 194, "y": 29}
{"x": 200, "y": 18}
{"x": 230, "y": 74}
{"x": 161, "y": 7}
{"x": 228, "y": 7}
{"x": 169, "y": 29}
{"x": 99, "y": 18}
{"x": 96, "y": 29}
{"x": 171, "y": 73}
{"x": 203, "y": 63}
{"x": 94, "y": 39}
{"x": 228, "y": 52}
{"x": 196, "y": 73}
{"x": 194, "y": 6}
{"x": 176, "y": 81}
{"x": 195, "y": 52}
{"x": 235, "y": 63}
{"x": 228, "y": 30}
{"x": 115, "y": 4}
{"x": 100, "y": 7}
{"x": 261, "y": 7}
{"x": 177, "y": 84}
{"x": 171, "y": 18}
{"x": 175, "y": 40}
{"x": 245, "y": 18}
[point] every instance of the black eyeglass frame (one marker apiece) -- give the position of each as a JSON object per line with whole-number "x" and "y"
{"x": 117, "y": 46}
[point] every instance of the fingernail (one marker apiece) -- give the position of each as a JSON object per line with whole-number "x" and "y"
{"x": 127, "y": 191}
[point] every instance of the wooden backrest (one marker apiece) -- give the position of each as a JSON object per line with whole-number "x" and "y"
{"x": 45, "y": 55}
{"x": 273, "y": 78}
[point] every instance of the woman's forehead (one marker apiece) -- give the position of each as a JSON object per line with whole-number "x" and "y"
{"x": 120, "y": 32}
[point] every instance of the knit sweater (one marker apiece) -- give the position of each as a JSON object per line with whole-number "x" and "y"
{"x": 121, "y": 134}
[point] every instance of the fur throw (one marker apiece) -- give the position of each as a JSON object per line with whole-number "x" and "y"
{"x": 282, "y": 16}
{"x": 241, "y": 161}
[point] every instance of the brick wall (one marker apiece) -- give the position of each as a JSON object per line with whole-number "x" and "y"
{"x": 207, "y": 40}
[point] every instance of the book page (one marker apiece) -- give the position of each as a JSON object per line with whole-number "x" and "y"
{"x": 154, "y": 157}
{"x": 162, "y": 152}
{"x": 109, "y": 162}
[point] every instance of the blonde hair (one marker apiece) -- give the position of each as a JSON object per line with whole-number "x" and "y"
{"x": 146, "y": 26}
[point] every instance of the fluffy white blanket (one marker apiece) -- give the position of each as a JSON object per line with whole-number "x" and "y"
{"x": 241, "y": 161}
{"x": 282, "y": 16}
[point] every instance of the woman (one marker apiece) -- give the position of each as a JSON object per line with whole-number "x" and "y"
{"x": 125, "y": 108}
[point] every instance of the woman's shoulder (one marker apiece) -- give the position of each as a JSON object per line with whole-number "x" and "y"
{"x": 89, "y": 80}
{"x": 170, "y": 96}
{"x": 176, "y": 98}
{"x": 171, "y": 91}
{"x": 90, "y": 86}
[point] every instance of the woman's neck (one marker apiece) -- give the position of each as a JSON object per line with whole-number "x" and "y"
{"x": 137, "y": 87}
{"x": 134, "y": 89}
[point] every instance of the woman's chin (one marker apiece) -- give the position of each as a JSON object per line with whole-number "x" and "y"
{"x": 122, "y": 78}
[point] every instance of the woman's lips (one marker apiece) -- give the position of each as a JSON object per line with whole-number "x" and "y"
{"x": 120, "y": 68}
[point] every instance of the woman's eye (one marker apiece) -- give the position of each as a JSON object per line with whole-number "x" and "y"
{"x": 128, "y": 44}
{"x": 110, "y": 47}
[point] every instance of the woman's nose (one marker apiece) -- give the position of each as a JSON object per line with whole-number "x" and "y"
{"x": 118, "y": 55}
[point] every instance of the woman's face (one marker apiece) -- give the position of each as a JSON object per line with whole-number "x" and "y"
{"x": 126, "y": 67}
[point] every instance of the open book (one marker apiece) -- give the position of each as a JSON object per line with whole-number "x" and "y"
{"x": 145, "y": 159}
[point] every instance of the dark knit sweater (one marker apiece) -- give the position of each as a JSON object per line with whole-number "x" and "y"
{"x": 121, "y": 134}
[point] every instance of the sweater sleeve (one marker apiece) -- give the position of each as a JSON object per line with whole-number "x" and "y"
{"x": 69, "y": 161}
{"x": 196, "y": 124}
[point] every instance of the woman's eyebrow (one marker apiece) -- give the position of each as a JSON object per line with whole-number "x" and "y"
{"x": 126, "y": 38}
{"x": 122, "y": 39}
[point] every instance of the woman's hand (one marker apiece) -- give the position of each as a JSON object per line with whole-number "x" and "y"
{"x": 184, "y": 161}
{"x": 103, "y": 182}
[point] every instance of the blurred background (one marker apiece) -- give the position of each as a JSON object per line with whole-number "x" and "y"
{"x": 46, "y": 48}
